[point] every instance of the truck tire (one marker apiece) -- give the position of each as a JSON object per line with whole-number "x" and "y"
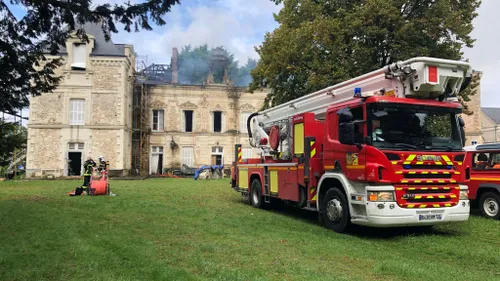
{"x": 255, "y": 195}
{"x": 335, "y": 211}
{"x": 489, "y": 203}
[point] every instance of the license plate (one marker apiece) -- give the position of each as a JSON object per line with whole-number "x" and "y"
{"x": 429, "y": 217}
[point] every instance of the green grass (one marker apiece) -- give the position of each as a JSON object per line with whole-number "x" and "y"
{"x": 168, "y": 229}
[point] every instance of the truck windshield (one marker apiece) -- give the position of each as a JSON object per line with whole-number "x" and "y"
{"x": 404, "y": 127}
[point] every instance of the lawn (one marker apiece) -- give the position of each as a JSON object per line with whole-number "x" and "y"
{"x": 180, "y": 229}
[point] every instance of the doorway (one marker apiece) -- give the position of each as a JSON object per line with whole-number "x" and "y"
{"x": 156, "y": 164}
{"x": 217, "y": 155}
{"x": 75, "y": 163}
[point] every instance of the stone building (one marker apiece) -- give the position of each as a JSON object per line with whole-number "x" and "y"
{"x": 473, "y": 124}
{"x": 88, "y": 114}
{"x": 142, "y": 122}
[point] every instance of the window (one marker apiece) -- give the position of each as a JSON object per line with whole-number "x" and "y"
{"x": 243, "y": 122}
{"x": 75, "y": 146}
{"x": 217, "y": 121}
{"x": 188, "y": 120}
{"x": 76, "y": 110}
{"x": 158, "y": 120}
{"x": 246, "y": 153}
{"x": 187, "y": 156}
{"x": 486, "y": 161}
{"x": 79, "y": 56}
{"x": 403, "y": 127}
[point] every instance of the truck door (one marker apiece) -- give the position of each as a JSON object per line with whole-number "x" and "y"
{"x": 350, "y": 153}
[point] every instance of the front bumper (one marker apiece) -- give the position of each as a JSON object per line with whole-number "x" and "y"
{"x": 389, "y": 214}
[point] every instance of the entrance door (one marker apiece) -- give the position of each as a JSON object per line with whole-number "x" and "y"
{"x": 217, "y": 155}
{"x": 156, "y": 163}
{"x": 75, "y": 158}
{"x": 75, "y": 163}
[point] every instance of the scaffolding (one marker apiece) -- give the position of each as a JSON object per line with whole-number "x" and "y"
{"x": 154, "y": 74}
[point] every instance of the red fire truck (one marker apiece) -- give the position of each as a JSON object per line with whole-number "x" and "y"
{"x": 383, "y": 149}
{"x": 484, "y": 185}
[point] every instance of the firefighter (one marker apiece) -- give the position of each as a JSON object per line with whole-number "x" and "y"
{"x": 88, "y": 167}
{"x": 103, "y": 165}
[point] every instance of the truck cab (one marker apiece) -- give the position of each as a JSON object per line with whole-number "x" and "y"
{"x": 484, "y": 185}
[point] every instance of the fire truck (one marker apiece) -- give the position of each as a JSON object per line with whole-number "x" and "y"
{"x": 384, "y": 149}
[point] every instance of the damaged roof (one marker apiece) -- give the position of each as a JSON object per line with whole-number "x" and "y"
{"x": 101, "y": 47}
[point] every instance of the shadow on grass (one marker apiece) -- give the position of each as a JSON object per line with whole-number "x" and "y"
{"x": 311, "y": 217}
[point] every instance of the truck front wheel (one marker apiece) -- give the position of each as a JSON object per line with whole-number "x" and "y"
{"x": 489, "y": 203}
{"x": 335, "y": 210}
{"x": 255, "y": 195}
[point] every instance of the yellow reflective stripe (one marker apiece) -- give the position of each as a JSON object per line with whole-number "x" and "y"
{"x": 418, "y": 197}
{"x": 447, "y": 204}
{"x": 442, "y": 196}
{"x": 436, "y": 206}
{"x": 394, "y": 162}
{"x": 411, "y": 157}
{"x": 399, "y": 188}
{"x": 453, "y": 196}
{"x": 419, "y": 163}
{"x": 424, "y": 188}
{"x": 399, "y": 172}
{"x": 412, "y": 173}
{"x": 435, "y": 173}
{"x": 411, "y": 188}
{"x": 438, "y": 163}
{"x": 313, "y": 151}
{"x": 423, "y": 206}
{"x": 430, "y": 197}
{"x": 424, "y": 173}
{"x": 411, "y": 206}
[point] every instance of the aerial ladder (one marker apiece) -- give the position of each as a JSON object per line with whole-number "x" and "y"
{"x": 419, "y": 78}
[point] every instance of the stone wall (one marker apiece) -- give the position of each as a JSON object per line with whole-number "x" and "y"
{"x": 108, "y": 144}
{"x": 43, "y": 109}
{"x": 106, "y": 109}
{"x": 43, "y": 149}
{"x": 106, "y": 76}
{"x": 473, "y": 122}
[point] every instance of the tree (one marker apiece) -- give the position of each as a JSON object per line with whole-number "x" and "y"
{"x": 320, "y": 43}
{"x": 194, "y": 66}
{"x": 46, "y": 26}
{"x": 12, "y": 137}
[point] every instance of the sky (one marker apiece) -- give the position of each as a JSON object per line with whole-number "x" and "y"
{"x": 240, "y": 26}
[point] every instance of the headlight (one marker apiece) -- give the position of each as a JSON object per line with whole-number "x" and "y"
{"x": 381, "y": 196}
{"x": 464, "y": 195}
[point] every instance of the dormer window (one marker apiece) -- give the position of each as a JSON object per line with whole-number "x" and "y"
{"x": 79, "y": 56}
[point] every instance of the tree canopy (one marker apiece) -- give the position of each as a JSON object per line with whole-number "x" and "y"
{"x": 320, "y": 43}
{"x": 194, "y": 66}
{"x": 48, "y": 24}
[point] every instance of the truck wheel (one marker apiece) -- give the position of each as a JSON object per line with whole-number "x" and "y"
{"x": 335, "y": 210}
{"x": 255, "y": 195}
{"x": 489, "y": 203}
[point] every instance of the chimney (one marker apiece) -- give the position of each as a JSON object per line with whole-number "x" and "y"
{"x": 173, "y": 65}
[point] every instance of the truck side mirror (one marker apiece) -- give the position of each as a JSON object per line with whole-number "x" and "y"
{"x": 346, "y": 133}
{"x": 461, "y": 122}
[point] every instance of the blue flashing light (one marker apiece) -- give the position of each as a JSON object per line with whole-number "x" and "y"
{"x": 449, "y": 167}
{"x": 357, "y": 92}
{"x": 406, "y": 166}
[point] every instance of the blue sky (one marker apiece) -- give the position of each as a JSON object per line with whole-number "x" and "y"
{"x": 240, "y": 26}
